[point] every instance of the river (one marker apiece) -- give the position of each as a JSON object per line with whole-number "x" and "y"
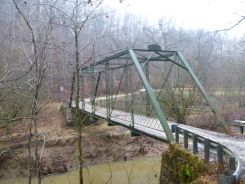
{"x": 142, "y": 171}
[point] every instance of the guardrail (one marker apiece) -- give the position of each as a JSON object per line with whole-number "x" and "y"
{"x": 234, "y": 170}
{"x": 238, "y": 123}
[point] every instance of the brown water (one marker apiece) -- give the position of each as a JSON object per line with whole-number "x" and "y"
{"x": 2, "y": 145}
{"x": 142, "y": 171}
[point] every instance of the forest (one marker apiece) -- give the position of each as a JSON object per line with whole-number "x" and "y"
{"x": 43, "y": 45}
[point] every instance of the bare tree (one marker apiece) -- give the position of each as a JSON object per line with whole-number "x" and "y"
{"x": 39, "y": 42}
{"x": 81, "y": 13}
{"x": 203, "y": 55}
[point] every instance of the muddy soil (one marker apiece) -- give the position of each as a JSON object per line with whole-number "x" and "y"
{"x": 101, "y": 144}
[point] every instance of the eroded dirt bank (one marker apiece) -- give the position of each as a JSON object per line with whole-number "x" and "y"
{"x": 101, "y": 144}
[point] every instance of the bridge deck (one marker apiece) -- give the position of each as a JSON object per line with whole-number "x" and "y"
{"x": 154, "y": 129}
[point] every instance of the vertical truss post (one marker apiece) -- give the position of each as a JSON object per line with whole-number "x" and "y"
{"x": 152, "y": 98}
{"x": 107, "y": 89}
{"x": 72, "y": 88}
{"x": 95, "y": 93}
{"x": 82, "y": 92}
{"x": 165, "y": 81}
{"x": 111, "y": 89}
{"x": 131, "y": 90}
{"x": 126, "y": 86}
{"x": 132, "y": 119}
{"x": 204, "y": 93}
{"x": 133, "y": 133}
{"x": 92, "y": 88}
{"x": 147, "y": 74}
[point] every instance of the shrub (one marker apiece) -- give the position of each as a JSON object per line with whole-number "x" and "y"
{"x": 178, "y": 166}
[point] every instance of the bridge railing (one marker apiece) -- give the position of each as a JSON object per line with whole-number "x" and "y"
{"x": 136, "y": 114}
{"x": 238, "y": 123}
{"x": 234, "y": 166}
{"x": 211, "y": 149}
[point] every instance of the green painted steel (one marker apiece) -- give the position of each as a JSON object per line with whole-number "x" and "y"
{"x": 163, "y": 84}
{"x": 171, "y": 60}
{"x": 132, "y": 118}
{"x": 82, "y": 92}
{"x": 131, "y": 88}
{"x": 152, "y": 97}
{"x": 148, "y": 103}
{"x": 133, "y": 132}
{"x": 111, "y": 92}
{"x": 95, "y": 93}
{"x": 131, "y": 59}
{"x": 87, "y": 70}
{"x": 107, "y": 90}
{"x": 115, "y": 56}
{"x": 72, "y": 88}
{"x": 201, "y": 88}
{"x": 114, "y": 99}
{"x": 126, "y": 87}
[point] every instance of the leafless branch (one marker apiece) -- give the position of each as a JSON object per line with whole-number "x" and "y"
{"x": 19, "y": 77}
{"x": 7, "y": 121}
{"x": 233, "y": 26}
{"x": 26, "y": 53}
{"x": 88, "y": 16}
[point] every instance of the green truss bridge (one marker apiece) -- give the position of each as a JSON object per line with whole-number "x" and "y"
{"x": 155, "y": 92}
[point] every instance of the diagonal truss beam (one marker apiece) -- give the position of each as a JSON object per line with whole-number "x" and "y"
{"x": 204, "y": 93}
{"x": 152, "y": 97}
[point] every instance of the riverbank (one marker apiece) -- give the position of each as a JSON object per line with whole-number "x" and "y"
{"x": 101, "y": 144}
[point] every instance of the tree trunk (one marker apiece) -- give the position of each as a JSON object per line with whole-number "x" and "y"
{"x": 29, "y": 154}
{"x": 78, "y": 116}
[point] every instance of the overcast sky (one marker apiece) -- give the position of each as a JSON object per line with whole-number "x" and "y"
{"x": 206, "y": 14}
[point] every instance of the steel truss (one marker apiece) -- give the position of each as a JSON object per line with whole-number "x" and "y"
{"x": 140, "y": 58}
